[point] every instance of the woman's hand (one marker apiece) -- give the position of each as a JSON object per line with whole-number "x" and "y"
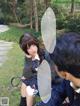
{"x": 28, "y": 56}
{"x": 36, "y": 56}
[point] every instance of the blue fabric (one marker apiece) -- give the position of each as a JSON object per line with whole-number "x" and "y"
{"x": 31, "y": 82}
{"x": 59, "y": 93}
{"x": 77, "y": 100}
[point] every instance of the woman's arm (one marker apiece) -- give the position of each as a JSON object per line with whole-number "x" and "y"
{"x": 27, "y": 70}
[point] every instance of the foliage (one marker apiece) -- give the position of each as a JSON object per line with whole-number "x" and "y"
{"x": 72, "y": 23}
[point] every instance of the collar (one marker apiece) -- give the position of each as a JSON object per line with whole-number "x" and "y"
{"x": 76, "y": 89}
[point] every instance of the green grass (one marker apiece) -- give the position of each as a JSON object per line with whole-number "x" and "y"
{"x": 12, "y": 67}
{"x": 14, "y": 33}
{"x": 65, "y": 1}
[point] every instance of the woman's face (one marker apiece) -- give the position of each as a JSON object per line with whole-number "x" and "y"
{"x": 32, "y": 50}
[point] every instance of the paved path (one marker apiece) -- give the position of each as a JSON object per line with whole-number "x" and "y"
{"x": 4, "y": 48}
{"x": 3, "y": 28}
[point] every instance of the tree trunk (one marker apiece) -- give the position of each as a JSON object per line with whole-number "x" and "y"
{"x": 72, "y": 6}
{"x": 46, "y": 3}
{"x": 35, "y": 15}
{"x": 13, "y": 8}
{"x": 31, "y": 14}
{"x": 14, "y": 13}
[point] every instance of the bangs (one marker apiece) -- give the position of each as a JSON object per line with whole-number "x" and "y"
{"x": 27, "y": 40}
{"x": 31, "y": 42}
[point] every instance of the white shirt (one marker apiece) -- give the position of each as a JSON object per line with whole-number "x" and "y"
{"x": 36, "y": 57}
{"x": 77, "y": 89}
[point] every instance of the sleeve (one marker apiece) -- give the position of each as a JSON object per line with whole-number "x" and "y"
{"x": 58, "y": 94}
{"x": 27, "y": 70}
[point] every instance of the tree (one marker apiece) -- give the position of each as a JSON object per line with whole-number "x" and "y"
{"x": 31, "y": 14}
{"x": 13, "y": 7}
{"x": 72, "y": 6}
{"x": 35, "y": 15}
{"x": 46, "y": 2}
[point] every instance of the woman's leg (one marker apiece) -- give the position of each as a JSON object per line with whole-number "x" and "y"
{"x": 29, "y": 96}
{"x": 23, "y": 90}
{"x": 23, "y": 95}
{"x": 29, "y": 100}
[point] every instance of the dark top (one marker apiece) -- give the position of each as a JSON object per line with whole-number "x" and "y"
{"x": 63, "y": 90}
{"x": 30, "y": 66}
{"x": 60, "y": 92}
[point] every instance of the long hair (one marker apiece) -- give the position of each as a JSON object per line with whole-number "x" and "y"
{"x": 26, "y": 40}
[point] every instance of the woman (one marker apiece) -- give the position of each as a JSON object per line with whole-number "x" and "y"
{"x": 33, "y": 57}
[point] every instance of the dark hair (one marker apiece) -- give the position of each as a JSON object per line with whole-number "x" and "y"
{"x": 26, "y": 40}
{"x": 66, "y": 54}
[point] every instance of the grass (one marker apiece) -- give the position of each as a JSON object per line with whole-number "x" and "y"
{"x": 12, "y": 67}
{"x": 14, "y": 33}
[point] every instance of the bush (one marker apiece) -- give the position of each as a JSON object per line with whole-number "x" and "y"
{"x": 61, "y": 14}
{"x": 60, "y": 21}
{"x": 72, "y": 23}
